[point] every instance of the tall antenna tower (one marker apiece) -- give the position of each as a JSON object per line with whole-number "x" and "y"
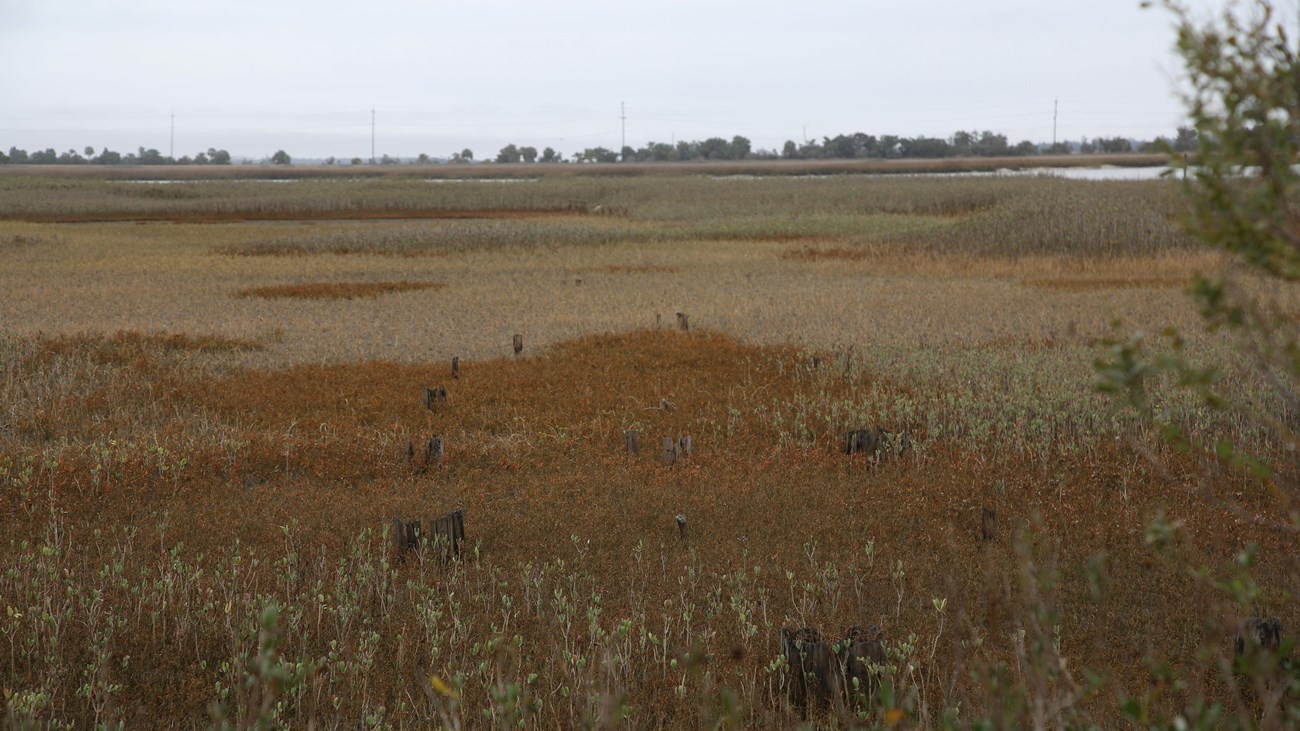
{"x": 622, "y": 115}
{"x": 171, "y": 146}
{"x": 372, "y": 135}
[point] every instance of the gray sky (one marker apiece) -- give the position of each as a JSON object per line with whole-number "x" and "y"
{"x": 254, "y": 76}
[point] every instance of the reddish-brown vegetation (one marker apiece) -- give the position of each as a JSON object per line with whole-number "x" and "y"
{"x": 334, "y": 290}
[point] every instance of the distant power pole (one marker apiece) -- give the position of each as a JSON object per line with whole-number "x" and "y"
{"x": 372, "y": 135}
{"x": 171, "y": 147}
{"x": 622, "y": 115}
{"x": 1055, "y": 107}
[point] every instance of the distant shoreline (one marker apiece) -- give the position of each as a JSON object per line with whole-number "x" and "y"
{"x": 533, "y": 170}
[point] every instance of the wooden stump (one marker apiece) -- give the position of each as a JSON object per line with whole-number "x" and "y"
{"x": 669, "y": 454}
{"x": 632, "y": 441}
{"x": 410, "y": 451}
{"x": 455, "y": 367}
{"x": 434, "y": 396}
{"x": 684, "y": 446}
{"x": 434, "y": 450}
{"x": 448, "y": 532}
{"x": 988, "y": 524}
{"x": 682, "y": 323}
{"x": 519, "y": 344}
{"x": 681, "y": 526}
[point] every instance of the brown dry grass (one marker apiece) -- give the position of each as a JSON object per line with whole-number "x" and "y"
{"x": 334, "y": 290}
{"x": 209, "y": 217}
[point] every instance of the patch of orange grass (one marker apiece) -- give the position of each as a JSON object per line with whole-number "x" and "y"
{"x": 335, "y": 290}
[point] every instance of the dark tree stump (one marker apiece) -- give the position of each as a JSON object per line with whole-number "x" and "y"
{"x": 455, "y": 367}
{"x": 682, "y": 322}
{"x": 448, "y": 533}
{"x": 684, "y": 446}
{"x": 632, "y": 441}
{"x": 681, "y": 526}
{"x": 434, "y": 396}
{"x": 434, "y": 450}
{"x": 670, "y": 451}
{"x": 988, "y": 524}
{"x": 519, "y": 344}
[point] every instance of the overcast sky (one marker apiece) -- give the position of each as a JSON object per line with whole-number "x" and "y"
{"x": 254, "y": 76}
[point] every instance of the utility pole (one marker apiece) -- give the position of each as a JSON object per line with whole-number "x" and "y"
{"x": 372, "y": 135}
{"x": 171, "y": 147}
{"x": 622, "y": 115}
{"x": 1055, "y": 106}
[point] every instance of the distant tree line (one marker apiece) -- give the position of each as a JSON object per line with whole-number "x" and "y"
{"x": 840, "y": 147}
{"x": 849, "y": 146}
{"x": 88, "y": 156}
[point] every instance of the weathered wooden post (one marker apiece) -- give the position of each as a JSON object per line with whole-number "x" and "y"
{"x": 410, "y": 451}
{"x": 684, "y": 445}
{"x": 449, "y": 532}
{"x": 519, "y": 344}
{"x": 632, "y": 440}
{"x": 681, "y": 526}
{"x": 397, "y": 535}
{"x": 988, "y": 523}
{"x": 434, "y": 450}
{"x": 434, "y": 396}
{"x": 682, "y": 323}
{"x": 658, "y": 320}
{"x": 670, "y": 451}
{"x": 455, "y": 367}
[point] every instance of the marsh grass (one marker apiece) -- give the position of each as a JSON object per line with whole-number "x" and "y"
{"x": 190, "y": 534}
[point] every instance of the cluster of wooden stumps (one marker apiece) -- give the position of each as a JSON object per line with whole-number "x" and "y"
{"x": 673, "y": 449}
{"x": 842, "y": 673}
{"x": 443, "y": 535}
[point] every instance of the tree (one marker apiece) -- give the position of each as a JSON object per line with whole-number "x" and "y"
{"x": 281, "y": 158}
{"x": 550, "y": 155}
{"x": 90, "y": 151}
{"x": 218, "y": 157}
{"x": 423, "y": 159}
{"x": 1185, "y": 141}
{"x": 790, "y": 150}
{"x": 740, "y": 147}
{"x": 467, "y": 155}
{"x": 108, "y": 157}
{"x": 529, "y": 154}
{"x": 355, "y": 161}
{"x": 149, "y": 156}
{"x": 508, "y": 154}
{"x": 1241, "y": 188}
